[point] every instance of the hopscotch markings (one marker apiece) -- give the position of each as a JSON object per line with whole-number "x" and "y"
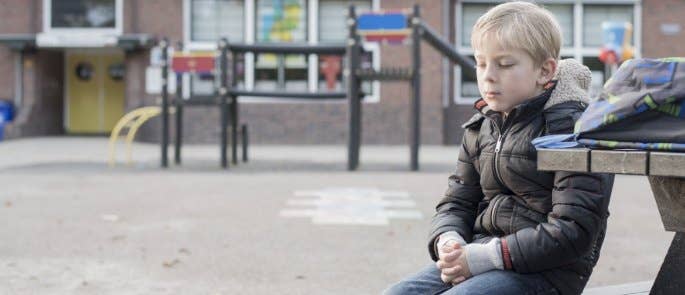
{"x": 354, "y": 206}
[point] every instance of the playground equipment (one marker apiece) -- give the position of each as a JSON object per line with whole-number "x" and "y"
{"x": 389, "y": 27}
{"x": 131, "y": 122}
{"x": 617, "y": 47}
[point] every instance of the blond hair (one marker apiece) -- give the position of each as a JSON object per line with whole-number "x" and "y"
{"x": 520, "y": 25}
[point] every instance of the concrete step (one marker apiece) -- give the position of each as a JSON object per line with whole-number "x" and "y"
{"x": 637, "y": 288}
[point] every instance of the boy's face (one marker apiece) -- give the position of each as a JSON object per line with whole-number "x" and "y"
{"x": 508, "y": 77}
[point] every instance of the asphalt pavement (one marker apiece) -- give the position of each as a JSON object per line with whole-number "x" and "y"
{"x": 292, "y": 220}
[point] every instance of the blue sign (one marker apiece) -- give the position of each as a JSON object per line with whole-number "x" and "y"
{"x": 387, "y": 21}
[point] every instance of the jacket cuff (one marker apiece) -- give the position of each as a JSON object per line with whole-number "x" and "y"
{"x": 484, "y": 257}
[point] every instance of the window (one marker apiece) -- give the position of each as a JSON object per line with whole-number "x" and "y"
{"x": 278, "y": 21}
{"x": 333, "y": 29}
{"x": 276, "y": 72}
{"x": 564, "y": 16}
{"x": 472, "y": 11}
{"x": 212, "y": 20}
{"x": 205, "y": 84}
{"x": 598, "y": 74}
{"x": 334, "y": 12}
{"x": 584, "y": 48}
{"x": 83, "y": 14}
{"x": 594, "y": 15}
{"x": 281, "y": 21}
{"x": 469, "y": 86}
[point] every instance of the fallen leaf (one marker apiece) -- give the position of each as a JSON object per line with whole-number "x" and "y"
{"x": 8, "y": 204}
{"x": 118, "y": 238}
{"x": 184, "y": 251}
{"x": 169, "y": 264}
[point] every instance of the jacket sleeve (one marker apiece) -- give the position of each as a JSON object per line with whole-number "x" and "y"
{"x": 457, "y": 210}
{"x": 580, "y": 204}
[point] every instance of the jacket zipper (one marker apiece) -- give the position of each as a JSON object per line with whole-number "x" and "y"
{"x": 498, "y": 148}
{"x": 492, "y": 214}
{"x": 498, "y": 178}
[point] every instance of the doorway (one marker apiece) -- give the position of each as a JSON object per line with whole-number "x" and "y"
{"x": 94, "y": 90}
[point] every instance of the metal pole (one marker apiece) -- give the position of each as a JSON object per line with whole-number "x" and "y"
{"x": 234, "y": 109}
{"x": 415, "y": 135}
{"x": 164, "y": 44}
{"x": 223, "y": 93}
{"x": 245, "y": 142}
{"x": 353, "y": 91}
{"x": 179, "y": 116}
{"x": 179, "y": 121}
{"x": 447, "y": 50}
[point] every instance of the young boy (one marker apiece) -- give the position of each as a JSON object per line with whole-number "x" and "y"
{"x": 504, "y": 227}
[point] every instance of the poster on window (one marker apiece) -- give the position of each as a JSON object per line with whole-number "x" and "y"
{"x": 281, "y": 21}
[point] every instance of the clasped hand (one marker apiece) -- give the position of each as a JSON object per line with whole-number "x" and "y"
{"x": 452, "y": 263}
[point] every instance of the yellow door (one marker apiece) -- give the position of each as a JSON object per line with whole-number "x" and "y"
{"x": 95, "y": 91}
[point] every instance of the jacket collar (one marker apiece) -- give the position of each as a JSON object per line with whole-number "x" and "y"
{"x": 533, "y": 104}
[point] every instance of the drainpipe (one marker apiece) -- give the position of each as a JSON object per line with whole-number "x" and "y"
{"x": 18, "y": 78}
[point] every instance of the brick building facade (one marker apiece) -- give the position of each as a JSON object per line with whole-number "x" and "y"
{"x": 37, "y": 67}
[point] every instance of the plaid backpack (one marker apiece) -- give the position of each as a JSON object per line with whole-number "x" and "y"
{"x": 641, "y": 107}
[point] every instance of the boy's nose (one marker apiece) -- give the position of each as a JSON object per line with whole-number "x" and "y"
{"x": 489, "y": 74}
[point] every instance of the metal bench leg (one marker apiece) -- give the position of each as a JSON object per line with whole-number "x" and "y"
{"x": 671, "y": 277}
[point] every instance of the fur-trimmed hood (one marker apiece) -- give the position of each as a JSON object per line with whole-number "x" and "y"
{"x": 573, "y": 83}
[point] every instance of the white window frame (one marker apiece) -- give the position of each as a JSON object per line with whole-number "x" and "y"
{"x": 118, "y": 22}
{"x": 576, "y": 49}
{"x": 249, "y": 38}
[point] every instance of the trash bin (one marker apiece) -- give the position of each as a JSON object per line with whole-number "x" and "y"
{"x": 6, "y": 115}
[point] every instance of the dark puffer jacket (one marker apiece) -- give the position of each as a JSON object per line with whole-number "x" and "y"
{"x": 553, "y": 222}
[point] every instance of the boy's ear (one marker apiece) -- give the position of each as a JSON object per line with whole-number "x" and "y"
{"x": 547, "y": 71}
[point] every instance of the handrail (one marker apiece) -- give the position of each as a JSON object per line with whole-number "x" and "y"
{"x": 447, "y": 50}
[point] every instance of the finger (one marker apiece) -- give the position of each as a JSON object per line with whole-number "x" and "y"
{"x": 441, "y": 264}
{"x": 450, "y": 244}
{"x": 447, "y": 279}
{"x": 447, "y": 249}
{"x": 452, "y": 271}
{"x": 452, "y": 256}
{"x": 458, "y": 280}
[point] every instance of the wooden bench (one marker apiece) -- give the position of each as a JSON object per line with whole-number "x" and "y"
{"x": 666, "y": 174}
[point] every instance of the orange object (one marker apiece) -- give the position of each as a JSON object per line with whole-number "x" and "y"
{"x": 330, "y": 67}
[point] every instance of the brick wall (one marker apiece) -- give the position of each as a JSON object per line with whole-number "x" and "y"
{"x": 654, "y": 42}
{"x": 385, "y": 122}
